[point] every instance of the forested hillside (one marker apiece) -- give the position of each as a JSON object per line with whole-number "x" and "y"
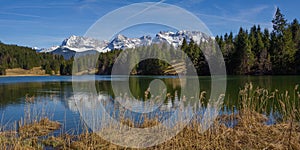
{"x": 260, "y": 51}
{"x": 13, "y": 56}
{"x": 251, "y": 52}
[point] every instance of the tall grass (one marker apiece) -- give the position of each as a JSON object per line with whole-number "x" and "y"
{"x": 266, "y": 102}
{"x": 249, "y": 132}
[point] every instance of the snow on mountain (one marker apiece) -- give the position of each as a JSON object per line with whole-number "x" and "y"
{"x": 122, "y": 42}
{"x": 35, "y": 48}
{"x": 81, "y": 44}
{"x": 48, "y": 50}
{"x": 176, "y": 39}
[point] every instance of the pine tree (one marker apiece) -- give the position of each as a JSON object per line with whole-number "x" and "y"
{"x": 236, "y": 57}
{"x": 278, "y": 43}
{"x": 228, "y": 48}
{"x": 265, "y": 56}
{"x": 279, "y": 23}
{"x": 243, "y": 58}
{"x": 230, "y": 38}
{"x": 295, "y": 28}
{"x": 259, "y": 41}
{"x": 48, "y": 69}
{"x": 253, "y": 39}
{"x": 289, "y": 51}
{"x": 260, "y": 52}
{"x": 184, "y": 45}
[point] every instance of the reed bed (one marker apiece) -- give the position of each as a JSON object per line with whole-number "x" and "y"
{"x": 250, "y": 131}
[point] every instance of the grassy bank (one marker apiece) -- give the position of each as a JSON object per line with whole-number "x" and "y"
{"x": 35, "y": 71}
{"x": 250, "y": 131}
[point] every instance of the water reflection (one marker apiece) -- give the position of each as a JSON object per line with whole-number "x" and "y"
{"x": 55, "y": 95}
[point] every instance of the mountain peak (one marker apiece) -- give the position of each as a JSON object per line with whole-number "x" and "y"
{"x": 146, "y": 37}
{"x": 82, "y": 44}
{"x": 120, "y": 37}
{"x": 67, "y": 41}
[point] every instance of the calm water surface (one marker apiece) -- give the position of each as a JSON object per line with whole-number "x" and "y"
{"x": 52, "y": 96}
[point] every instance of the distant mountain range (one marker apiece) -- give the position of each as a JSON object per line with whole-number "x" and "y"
{"x": 79, "y": 44}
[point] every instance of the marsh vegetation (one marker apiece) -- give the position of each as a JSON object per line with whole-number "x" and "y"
{"x": 250, "y": 129}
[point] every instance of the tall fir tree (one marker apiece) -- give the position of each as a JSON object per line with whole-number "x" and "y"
{"x": 243, "y": 58}
{"x": 295, "y": 28}
{"x": 279, "y": 22}
{"x": 265, "y": 56}
{"x": 289, "y": 52}
{"x": 278, "y": 43}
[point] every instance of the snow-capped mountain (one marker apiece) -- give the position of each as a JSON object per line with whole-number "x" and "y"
{"x": 48, "y": 50}
{"x": 122, "y": 42}
{"x": 176, "y": 39}
{"x": 79, "y": 44}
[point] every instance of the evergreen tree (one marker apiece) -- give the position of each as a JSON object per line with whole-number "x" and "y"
{"x": 289, "y": 51}
{"x": 278, "y": 43}
{"x": 243, "y": 58}
{"x": 184, "y": 45}
{"x": 253, "y": 39}
{"x": 279, "y": 23}
{"x": 283, "y": 48}
{"x": 265, "y": 57}
{"x": 48, "y": 69}
{"x": 260, "y": 52}
{"x": 295, "y": 28}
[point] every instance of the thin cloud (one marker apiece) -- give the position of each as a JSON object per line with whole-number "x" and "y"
{"x": 6, "y": 21}
{"x": 19, "y": 14}
{"x": 222, "y": 10}
{"x": 252, "y": 12}
{"x": 149, "y": 7}
{"x": 191, "y": 2}
{"x": 187, "y": 3}
{"x": 231, "y": 19}
{"x": 243, "y": 16}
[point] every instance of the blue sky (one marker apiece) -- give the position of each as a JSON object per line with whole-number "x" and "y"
{"x": 44, "y": 23}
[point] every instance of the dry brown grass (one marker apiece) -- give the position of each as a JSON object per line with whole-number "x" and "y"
{"x": 36, "y": 71}
{"x": 41, "y": 128}
{"x": 28, "y": 136}
{"x": 250, "y": 132}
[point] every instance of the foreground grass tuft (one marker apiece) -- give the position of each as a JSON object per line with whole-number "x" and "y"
{"x": 249, "y": 132}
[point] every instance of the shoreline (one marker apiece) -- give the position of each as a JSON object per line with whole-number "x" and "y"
{"x": 26, "y": 75}
{"x": 19, "y": 72}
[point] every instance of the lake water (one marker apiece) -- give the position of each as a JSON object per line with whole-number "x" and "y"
{"x": 52, "y": 96}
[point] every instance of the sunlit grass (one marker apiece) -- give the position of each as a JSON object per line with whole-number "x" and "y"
{"x": 249, "y": 132}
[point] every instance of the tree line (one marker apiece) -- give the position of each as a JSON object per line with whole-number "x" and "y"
{"x": 263, "y": 52}
{"x": 251, "y": 52}
{"x": 13, "y": 56}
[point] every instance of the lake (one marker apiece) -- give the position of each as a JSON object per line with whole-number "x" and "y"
{"x": 52, "y": 96}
